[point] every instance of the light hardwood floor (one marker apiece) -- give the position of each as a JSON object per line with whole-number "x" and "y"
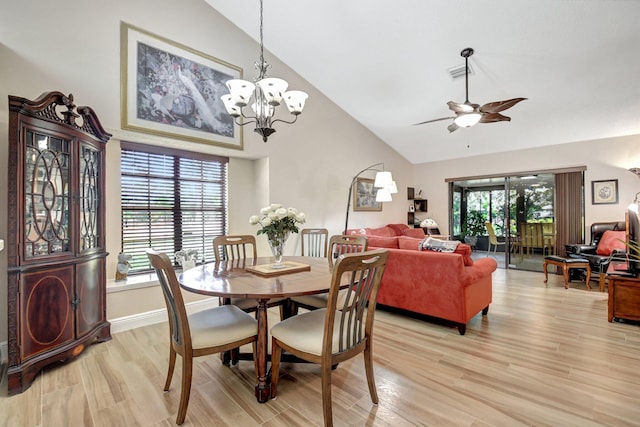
{"x": 544, "y": 356}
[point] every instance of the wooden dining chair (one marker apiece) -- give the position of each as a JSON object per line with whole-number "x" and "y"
{"x": 210, "y": 331}
{"x": 346, "y": 244}
{"x": 338, "y": 245}
{"x": 341, "y": 330}
{"x": 314, "y": 242}
{"x": 235, "y": 247}
{"x": 240, "y": 251}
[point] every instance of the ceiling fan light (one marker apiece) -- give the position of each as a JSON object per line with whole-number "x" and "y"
{"x": 467, "y": 119}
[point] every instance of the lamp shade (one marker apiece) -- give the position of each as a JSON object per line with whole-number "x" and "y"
{"x": 231, "y": 107}
{"x": 273, "y": 88}
{"x": 241, "y": 91}
{"x": 383, "y": 179}
{"x": 467, "y": 119}
{"x": 393, "y": 188}
{"x": 383, "y": 195}
{"x": 295, "y": 100}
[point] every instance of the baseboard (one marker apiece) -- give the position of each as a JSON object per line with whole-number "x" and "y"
{"x": 126, "y": 323}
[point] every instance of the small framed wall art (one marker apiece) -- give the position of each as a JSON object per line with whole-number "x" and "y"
{"x": 364, "y": 196}
{"x": 604, "y": 192}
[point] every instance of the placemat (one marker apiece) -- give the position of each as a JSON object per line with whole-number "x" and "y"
{"x": 288, "y": 267}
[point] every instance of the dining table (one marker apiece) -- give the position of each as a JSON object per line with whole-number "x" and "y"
{"x": 262, "y": 280}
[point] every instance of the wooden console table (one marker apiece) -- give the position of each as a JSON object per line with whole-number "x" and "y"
{"x": 624, "y": 297}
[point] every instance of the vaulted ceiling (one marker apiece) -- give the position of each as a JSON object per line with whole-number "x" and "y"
{"x": 386, "y": 64}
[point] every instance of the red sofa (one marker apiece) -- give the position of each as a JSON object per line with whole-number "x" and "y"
{"x": 449, "y": 286}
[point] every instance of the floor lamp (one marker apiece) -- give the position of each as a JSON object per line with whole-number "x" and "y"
{"x": 384, "y": 183}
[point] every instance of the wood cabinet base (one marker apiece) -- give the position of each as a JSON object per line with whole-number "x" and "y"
{"x": 624, "y": 298}
{"x": 20, "y": 377}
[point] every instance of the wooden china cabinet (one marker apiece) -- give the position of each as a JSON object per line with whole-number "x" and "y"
{"x": 56, "y": 234}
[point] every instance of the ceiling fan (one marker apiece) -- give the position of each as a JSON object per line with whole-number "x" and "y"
{"x": 468, "y": 114}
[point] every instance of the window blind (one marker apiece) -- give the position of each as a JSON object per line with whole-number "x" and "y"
{"x": 171, "y": 200}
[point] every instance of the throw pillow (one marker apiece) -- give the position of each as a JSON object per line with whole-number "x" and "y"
{"x": 611, "y": 240}
{"x": 398, "y": 228}
{"x": 414, "y": 232}
{"x": 464, "y": 250}
{"x": 431, "y": 244}
{"x": 410, "y": 243}
{"x": 383, "y": 242}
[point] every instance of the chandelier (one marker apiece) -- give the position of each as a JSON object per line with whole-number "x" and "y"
{"x": 267, "y": 93}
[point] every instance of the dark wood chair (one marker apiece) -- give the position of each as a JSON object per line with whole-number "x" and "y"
{"x": 239, "y": 251}
{"x": 338, "y": 332}
{"x": 210, "y": 331}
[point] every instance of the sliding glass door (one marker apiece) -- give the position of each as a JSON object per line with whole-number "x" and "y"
{"x": 532, "y": 231}
{"x": 521, "y": 210}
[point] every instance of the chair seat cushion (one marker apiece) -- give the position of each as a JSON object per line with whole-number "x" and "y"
{"x": 556, "y": 258}
{"x": 305, "y": 331}
{"x": 221, "y": 325}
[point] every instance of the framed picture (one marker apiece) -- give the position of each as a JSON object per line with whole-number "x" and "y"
{"x": 412, "y": 208}
{"x": 364, "y": 196}
{"x": 604, "y": 192}
{"x": 170, "y": 90}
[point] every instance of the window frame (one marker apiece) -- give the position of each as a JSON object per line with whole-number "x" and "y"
{"x": 132, "y": 206}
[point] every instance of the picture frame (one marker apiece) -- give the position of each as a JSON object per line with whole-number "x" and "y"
{"x": 364, "y": 196}
{"x": 604, "y": 192}
{"x": 171, "y": 90}
{"x": 412, "y": 208}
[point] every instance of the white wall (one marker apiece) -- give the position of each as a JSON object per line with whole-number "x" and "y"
{"x": 75, "y": 49}
{"x": 605, "y": 159}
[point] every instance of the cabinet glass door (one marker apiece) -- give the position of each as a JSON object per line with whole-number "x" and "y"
{"x": 46, "y": 195}
{"x": 90, "y": 163}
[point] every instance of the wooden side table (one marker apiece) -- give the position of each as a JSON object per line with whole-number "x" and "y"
{"x": 624, "y": 297}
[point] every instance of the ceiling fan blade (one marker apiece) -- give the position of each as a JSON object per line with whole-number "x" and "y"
{"x": 434, "y": 120}
{"x": 462, "y": 107}
{"x": 453, "y": 127}
{"x": 493, "y": 118}
{"x": 496, "y": 107}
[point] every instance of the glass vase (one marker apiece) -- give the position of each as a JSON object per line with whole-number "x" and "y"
{"x": 277, "y": 249}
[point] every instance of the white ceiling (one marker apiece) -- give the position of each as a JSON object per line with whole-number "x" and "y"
{"x": 385, "y": 63}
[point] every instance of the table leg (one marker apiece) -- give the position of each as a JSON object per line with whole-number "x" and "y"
{"x": 263, "y": 388}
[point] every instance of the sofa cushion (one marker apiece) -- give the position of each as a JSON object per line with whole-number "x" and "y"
{"x": 410, "y": 243}
{"x": 382, "y": 231}
{"x": 414, "y": 232}
{"x": 383, "y": 242}
{"x": 609, "y": 241}
{"x": 398, "y": 228}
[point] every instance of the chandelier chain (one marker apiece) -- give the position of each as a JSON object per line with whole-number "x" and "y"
{"x": 262, "y": 67}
